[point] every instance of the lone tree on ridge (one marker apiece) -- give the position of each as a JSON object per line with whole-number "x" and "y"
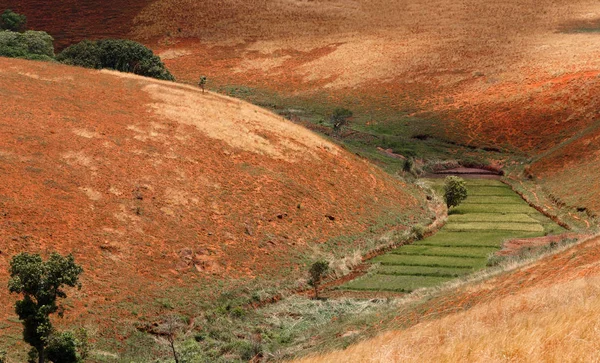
{"x": 41, "y": 284}
{"x": 455, "y": 191}
{"x": 202, "y": 83}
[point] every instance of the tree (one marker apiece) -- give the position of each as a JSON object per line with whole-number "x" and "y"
{"x": 9, "y": 20}
{"x": 202, "y": 83}
{"x": 318, "y": 270}
{"x": 169, "y": 328}
{"x": 118, "y": 54}
{"x": 83, "y": 54}
{"x": 455, "y": 191}
{"x": 62, "y": 348}
{"x": 41, "y": 284}
{"x": 28, "y": 45}
{"x": 340, "y": 118}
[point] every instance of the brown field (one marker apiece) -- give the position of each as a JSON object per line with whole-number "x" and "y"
{"x": 163, "y": 192}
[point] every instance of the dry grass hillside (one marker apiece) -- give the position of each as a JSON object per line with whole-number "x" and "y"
{"x": 164, "y": 192}
{"x": 545, "y": 312}
{"x": 514, "y": 74}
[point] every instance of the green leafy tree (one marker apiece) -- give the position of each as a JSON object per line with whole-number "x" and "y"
{"x": 340, "y": 118}
{"x": 62, "y": 348}
{"x": 9, "y": 20}
{"x": 455, "y": 191}
{"x": 31, "y": 44}
{"x": 83, "y": 54}
{"x": 317, "y": 271}
{"x": 41, "y": 284}
{"x": 118, "y": 54}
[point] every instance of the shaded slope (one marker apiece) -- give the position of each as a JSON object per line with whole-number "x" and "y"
{"x": 160, "y": 190}
{"x": 70, "y": 21}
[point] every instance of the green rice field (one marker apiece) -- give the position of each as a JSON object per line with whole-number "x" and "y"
{"x": 491, "y": 214}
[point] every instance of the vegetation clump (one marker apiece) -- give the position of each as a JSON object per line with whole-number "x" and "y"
{"x": 340, "y": 118}
{"x": 41, "y": 284}
{"x": 455, "y": 191}
{"x": 118, "y": 54}
{"x": 33, "y": 45}
{"x": 318, "y": 270}
{"x": 14, "y": 22}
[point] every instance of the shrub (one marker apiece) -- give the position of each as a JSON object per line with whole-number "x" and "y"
{"x": 62, "y": 348}
{"x": 34, "y": 45}
{"x": 118, "y": 54}
{"x": 317, "y": 271}
{"x": 83, "y": 54}
{"x": 408, "y": 165}
{"x": 340, "y": 118}
{"x": 418, "y": 231}
{"x": 2, "y": 356}
{"x": 9, "y": 20}
{"x": 455, "y": 191}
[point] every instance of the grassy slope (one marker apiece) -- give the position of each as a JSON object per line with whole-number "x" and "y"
{"x": 169, "y": 197}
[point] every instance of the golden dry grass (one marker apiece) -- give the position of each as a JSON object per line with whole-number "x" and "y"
{"x": 549, "y": 324}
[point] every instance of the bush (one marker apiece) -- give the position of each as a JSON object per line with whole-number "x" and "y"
{"x": 83, "y": 54}
{"x": 62, "y": 348}
{"x": 455, "y": 191}
{"x": 2, "y": 356}
{"x": 317, "y": 271}
{"x": 418, "y": 231}
{"x": 118, "y": 54}
{"x": 340, "y": 118}
{"x": 34, "y": 45}
{"x": 9, "y": 20}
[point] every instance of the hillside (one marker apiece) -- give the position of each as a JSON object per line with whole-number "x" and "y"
{"x": 503, "y": 75}
{"x": 169, "y": 196}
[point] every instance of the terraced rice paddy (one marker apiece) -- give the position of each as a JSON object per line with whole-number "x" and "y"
{"x": 491, "y": 214}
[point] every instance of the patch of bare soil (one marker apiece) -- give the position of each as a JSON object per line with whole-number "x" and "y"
{"x": 516, "y": 246}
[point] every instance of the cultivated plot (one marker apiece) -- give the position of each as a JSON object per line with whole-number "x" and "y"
{"x": 491, "y": 214}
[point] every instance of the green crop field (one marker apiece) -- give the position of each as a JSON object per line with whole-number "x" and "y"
{"x": 432, "y": 261}
{"x": 500, "y": 191}
{"x": 424, "y": 271}
{"x": 492, "y": 217}
{"x": 492, "y": 199}
{"x": 445, "y": 251}
{"x": 495, "y": 226}
{"x": 491, "y": 214}
{"x": 474, "y": 238}
{"x": 394, "y": 282}
{"x": 493, "y": 208}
